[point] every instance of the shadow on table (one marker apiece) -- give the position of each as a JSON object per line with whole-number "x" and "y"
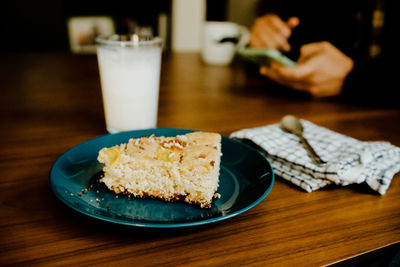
{"x": 384, "y": 257}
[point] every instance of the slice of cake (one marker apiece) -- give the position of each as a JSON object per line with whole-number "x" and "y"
{"x": 185, "y": 167}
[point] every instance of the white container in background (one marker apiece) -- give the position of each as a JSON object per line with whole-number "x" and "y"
{"x": 221, "y": 40}
{"x": 130, "y": 80}
{"x": 186, "y": 24}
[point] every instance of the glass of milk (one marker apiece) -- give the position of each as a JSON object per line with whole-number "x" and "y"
{"x": 129, "y": 69}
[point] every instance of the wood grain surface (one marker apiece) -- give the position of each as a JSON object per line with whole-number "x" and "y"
{"x": 51, "y": 102}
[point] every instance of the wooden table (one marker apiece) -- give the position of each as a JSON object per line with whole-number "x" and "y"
{"x": 51, "y": 102}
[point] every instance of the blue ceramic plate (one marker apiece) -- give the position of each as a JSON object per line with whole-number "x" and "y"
{"x": 246, "y": 178}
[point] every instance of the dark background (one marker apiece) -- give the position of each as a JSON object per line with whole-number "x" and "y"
{"x": 41, "y": 25}
{"x": 27, "y": 26}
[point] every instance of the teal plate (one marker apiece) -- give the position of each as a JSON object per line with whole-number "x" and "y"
{"x": 246, "y": 178}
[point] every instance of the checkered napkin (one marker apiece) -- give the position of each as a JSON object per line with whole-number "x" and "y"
{"x": 348, "y": 160}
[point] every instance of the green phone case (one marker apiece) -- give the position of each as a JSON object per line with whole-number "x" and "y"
{"x": 264, "y": 56}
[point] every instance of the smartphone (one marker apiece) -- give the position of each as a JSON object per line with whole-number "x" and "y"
{"x": 265, "y": 56}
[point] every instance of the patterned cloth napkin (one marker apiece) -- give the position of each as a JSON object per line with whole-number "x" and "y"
{"x": 348, "y": 160}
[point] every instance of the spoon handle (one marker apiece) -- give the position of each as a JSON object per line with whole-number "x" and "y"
{"x": 311, "y": 151}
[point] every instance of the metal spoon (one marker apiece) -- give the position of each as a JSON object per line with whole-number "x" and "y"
{"x": 291, "y": 124}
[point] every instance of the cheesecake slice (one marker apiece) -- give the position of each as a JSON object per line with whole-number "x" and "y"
{"x": 185, "y": 167}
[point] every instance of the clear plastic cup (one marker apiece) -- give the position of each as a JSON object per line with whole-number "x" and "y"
{"x": 129, "y": 69}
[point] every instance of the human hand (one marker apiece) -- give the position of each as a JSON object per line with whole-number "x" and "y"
{"x": 270, "y": 31}
{"x": 320, "y": 70}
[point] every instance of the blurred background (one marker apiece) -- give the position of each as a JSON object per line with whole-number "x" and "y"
{"x": 43, "y": 25}
{"x": 62, "y": 25}
{"x": 362, "y": 29}
{"x": 51, "y": 25}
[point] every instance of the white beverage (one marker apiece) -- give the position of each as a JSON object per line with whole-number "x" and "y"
{"x": 130, "y": 78}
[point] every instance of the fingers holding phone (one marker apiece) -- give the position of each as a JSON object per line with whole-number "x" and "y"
{"x": 270, "y": 31}
{"x": 320, "y": 70}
